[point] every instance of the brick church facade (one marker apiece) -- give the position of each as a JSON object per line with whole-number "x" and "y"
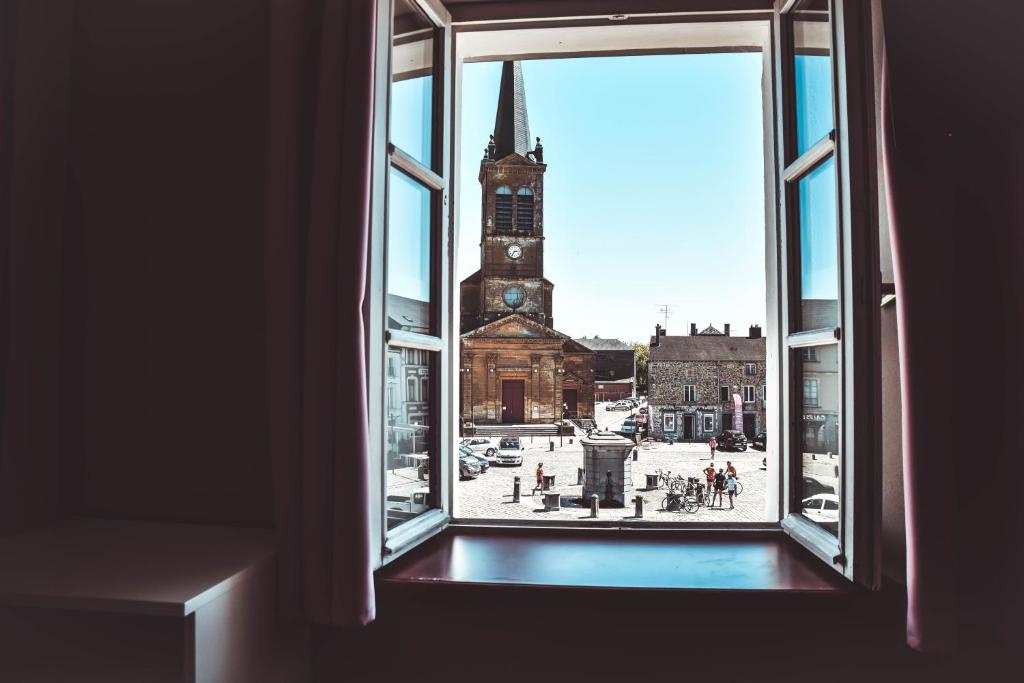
{"x": 515, "y": 367}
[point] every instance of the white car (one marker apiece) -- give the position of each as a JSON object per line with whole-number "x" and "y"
{"x": 620, "y": 405}
{"x": 480, "y": 444}
{"x": 822, "y": 508}
{"x": 510, "y": 451}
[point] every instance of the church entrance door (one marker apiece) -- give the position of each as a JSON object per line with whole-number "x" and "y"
{"x": 570, "y": 398}
{"x": 513, "y": 395}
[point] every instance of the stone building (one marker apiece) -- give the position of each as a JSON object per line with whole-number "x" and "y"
{"x": 697, "y": 381}
{"x": 515, "y": 367}
{"x": 614, "y": 368}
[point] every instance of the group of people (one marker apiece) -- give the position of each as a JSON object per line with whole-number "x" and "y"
{"x": 721, "y": 481}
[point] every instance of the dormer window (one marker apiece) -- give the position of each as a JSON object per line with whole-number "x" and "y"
{"x": 524, "y": 209}
{"x": 503, "y": 208}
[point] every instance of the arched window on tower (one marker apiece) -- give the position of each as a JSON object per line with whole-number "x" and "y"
{"x": 524, "y": 209}
{"x": 503, "y": 209}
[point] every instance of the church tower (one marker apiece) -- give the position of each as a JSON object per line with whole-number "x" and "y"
{"x": 511, "y": 276}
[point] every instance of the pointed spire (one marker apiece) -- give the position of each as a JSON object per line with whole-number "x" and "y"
{"x": 511, "y": 125}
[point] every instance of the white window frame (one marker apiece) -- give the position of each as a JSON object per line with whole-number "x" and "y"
{"x": 666, "y": 419}
{"x": 387, "y": 545}
{"x": 750, "y": 369}
{"x": 689, "y": 393}
{"x": 706, "y": 429}
{"x": 573, "y": 37}
{"x": 749, "y": 395}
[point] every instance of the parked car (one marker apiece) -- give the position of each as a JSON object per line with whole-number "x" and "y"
{"x": 414, "y": 504}
{"x": 479, "y": 458}
{"x": 469, "y": 468}
{"x": 732, "y": 440}
{"x": 822, "y": 508}
{"x": 812, "y": 487}
{"x": 620, "y": 405}
{"x": 628, "y": 427}
{"x": 510, "y": 451}
{"x": 480, "y": 444}
{"x": 760, "y": 441}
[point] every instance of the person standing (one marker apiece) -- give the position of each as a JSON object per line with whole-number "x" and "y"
{"x": 730, "y": 469}
{"x": 730, "y": 485}
{"x": 719, "y": 487}
{"x": 709, "y": 474}
{"x": 713, "y": 444}
{"x": 540, "y": 477}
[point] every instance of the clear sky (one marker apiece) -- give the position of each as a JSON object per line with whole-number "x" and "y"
{"x": 654, "y": 192}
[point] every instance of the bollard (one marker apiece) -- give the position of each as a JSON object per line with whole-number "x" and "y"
{"x": 551, "y": 445}
{"x": 635, "y": 452}
{"x": 579, "y": 476}
{"x": 570, "y": 442}
{"x": 593, "y": 505}
{"x": 639, "y": 514}
{"x": 515, "y": 490}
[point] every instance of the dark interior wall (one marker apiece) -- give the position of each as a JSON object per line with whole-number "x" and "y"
{"x": 164, "y": 382}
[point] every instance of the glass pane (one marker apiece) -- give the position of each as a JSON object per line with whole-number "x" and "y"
{"x": 818, "y": 439}
{"x": 409, "y": 450}
{"x": 408, "y": 255}
{"x": 812, "y": 73}
{"x": 819, "y": 250}
{"x": 412, "y": 82}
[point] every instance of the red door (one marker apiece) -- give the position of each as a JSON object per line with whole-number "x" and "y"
{"x": 570, "y": 398}
{"x": 513, "y": 394}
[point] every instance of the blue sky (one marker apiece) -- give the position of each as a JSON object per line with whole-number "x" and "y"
{"x": 654, "y": 192}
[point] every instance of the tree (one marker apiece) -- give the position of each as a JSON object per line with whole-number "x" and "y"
{"x": 643, "y": 351}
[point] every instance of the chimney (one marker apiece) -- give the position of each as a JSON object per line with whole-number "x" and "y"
{"x": 755, "y": 332}
{"x": 657, "y": 335}
{"x": 693, "y": 329}
{"x": 727, "y": 329}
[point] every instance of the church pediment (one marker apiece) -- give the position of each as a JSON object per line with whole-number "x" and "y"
{"x": 515, "y": 159}
{"x": 514, "y": 327}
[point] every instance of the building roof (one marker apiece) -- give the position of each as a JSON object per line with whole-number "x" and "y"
{"x": 708, "y": 348}
{"x": 596, "y": 343}
{"x": 511, "y": 124}
{"x": 408, "y": 314}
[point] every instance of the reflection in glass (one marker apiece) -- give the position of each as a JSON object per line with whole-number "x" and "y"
{"x": 812, "y": 71}
{"x": 412, "y": 83}
{"x": 408, "y": 447}
{"x": 818, "y": 436}
{"x": 819, "y": 252}
{"x": 408, "y": 255}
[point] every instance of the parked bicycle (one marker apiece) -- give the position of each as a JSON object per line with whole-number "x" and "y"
{"x": 684, "y": 494}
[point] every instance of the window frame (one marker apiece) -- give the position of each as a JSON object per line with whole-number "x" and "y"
{"x": 387, "y": 545}
{"x": 854, "y": 552}
{"x": 691, "y": 391}
{"x": 752, "y": 392}
{"x": 779, "y": 489}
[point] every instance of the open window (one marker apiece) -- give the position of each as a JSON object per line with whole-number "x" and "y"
{"x": 410, "y": 272}
{"x": 821, "y": 265}
{"x": 827, "y": 274}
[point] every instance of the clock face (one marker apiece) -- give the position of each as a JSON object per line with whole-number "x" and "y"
{"x": 514, "y": 251}
{"x": 514, "y": 297}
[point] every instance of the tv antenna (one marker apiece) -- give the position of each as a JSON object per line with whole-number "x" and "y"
{"x": 666, "y": 311}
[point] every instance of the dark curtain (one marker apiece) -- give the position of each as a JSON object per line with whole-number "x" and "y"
{"x": 35, "y": 63}
{"x": 953, "y": 113}
{"x": 321, "y": 94}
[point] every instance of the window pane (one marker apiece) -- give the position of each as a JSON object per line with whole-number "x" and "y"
{"x": 812, "y": 73}
{"x": 408, "y": 437}
{"x": 819, "y": 252}
{"x": 408, "y": 255}
{"x": 818, "y": 439}
{"x": 412, "y": 82}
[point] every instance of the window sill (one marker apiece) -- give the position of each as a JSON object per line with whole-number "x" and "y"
{"x": 762, "y": 562}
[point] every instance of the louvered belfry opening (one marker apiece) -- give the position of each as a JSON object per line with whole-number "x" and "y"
{"x": 503, "y": 209}
{"x": 524, "y": 210}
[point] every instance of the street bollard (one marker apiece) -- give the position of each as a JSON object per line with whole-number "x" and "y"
{"x": 551, "y": 445}
{"x": 639, "y": 514}
{"x": 593, "y": 505}
{"x": 579, "y": 476}
{"x": 515, "y": 490}
{"x": 570, "y": 442}
{"x": 635, "y": 452}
